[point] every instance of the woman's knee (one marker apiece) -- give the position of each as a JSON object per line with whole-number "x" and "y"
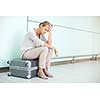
{"x": 45, "y": 49}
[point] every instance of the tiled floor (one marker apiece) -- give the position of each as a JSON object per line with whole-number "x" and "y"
{"x": 84, "y": 72}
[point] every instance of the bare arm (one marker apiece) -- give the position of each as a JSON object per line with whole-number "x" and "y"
{"x": 49, "y": 42}
{"x": 48, "y": 45}
{"x": 50, "y": 36}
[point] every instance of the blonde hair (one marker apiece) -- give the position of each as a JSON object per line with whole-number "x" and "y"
{"x": 43, "y": 24}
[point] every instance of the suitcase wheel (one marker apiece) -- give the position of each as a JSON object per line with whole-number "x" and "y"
{"x": 9, "y": 74}
{"x": 28, "y": 76}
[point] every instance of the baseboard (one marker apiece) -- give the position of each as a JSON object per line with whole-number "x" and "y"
{"x": 5, "y": 69}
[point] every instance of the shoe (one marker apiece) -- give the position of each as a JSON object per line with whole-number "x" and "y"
{"x": 47, "y": 73}
{"x": 40, "y": 75}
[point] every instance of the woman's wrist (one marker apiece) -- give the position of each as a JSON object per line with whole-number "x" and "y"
{"x": 49, "y": 46}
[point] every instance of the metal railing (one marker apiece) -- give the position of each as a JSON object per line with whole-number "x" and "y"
{"x": 73, "y": 58}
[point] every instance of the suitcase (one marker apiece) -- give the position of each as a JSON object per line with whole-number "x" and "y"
{"x": 23, "y": 68}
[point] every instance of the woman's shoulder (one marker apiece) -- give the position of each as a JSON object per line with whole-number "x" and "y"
{"x": 31, "y": 32}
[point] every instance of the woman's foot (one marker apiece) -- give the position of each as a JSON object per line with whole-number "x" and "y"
{"x": 41, "y": 74}
{"x": 47, "y": 73}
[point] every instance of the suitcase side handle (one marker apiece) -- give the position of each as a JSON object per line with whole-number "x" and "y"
{"x": 28, "y": 63}
{"x": 8, "y": 62}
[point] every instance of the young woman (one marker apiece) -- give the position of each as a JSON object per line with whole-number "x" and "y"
{"x": 35, "y": 46}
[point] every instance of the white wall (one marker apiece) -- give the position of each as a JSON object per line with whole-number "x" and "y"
{"x": 12, "y": 30}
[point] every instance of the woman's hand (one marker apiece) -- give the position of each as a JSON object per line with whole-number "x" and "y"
{"x": 50, "y": 30}
{"x": 56, "y": 52}
{"x": 52, "y": 47}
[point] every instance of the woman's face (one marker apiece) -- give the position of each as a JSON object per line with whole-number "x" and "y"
{"x": 44, "y": 29}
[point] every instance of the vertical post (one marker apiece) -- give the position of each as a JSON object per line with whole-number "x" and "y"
{"x": 27, "y": 23}
{"x": 92, "y": 58}
{"x": 73, "y": 60}
{"x": 96, "y": 57}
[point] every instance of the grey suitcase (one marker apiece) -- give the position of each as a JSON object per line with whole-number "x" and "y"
{"x": 23, "y": 68}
